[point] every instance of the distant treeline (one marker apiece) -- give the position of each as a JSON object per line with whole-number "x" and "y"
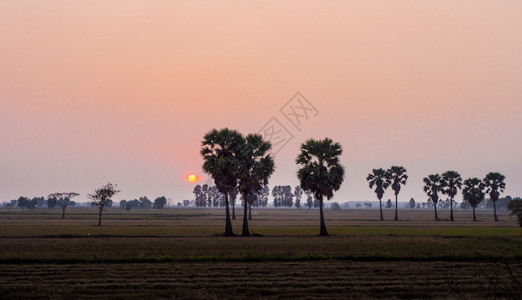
{"x": 282, "y": 196}
{"x": 36, "y": 202}
{"x": 286, "y": 196}
{"x": 144, "y": 202}
{"x": 56, "y": 202}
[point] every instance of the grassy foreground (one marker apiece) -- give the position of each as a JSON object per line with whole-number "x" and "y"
{"x": 180, "y": 253}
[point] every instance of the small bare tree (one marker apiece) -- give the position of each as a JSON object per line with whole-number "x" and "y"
{"x": 63, "y": 200}
{"x": 102, "y": 196}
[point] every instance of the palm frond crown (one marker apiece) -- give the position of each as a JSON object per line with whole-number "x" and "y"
{"x": 378, "y": 178}
{"x": 320, "y": 172}
{"x": 432, "y": 186}
{"x": 220, "y": 150}
{"x": 256, "y": 164}
{"x": 473, "y": 191}
{"x": 397, "y": 177}
{"x": 451, "y": 183}
{"x": 494, "y": 183}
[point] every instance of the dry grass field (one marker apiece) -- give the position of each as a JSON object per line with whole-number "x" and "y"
{"x": 180, "y": 253}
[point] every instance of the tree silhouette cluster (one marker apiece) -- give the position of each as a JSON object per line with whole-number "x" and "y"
{"x": 244, "y": 163}
{"x": 381, "y": 179}
{"x": 143, "y": 202}
{"x": 473, "y": 193}
{"x": 237, "y": 162}
{"x": 448, "y": 184}
{"x": 283, "y": 196}
{"x": 57, "y": 199}
{"x": 206, "y": 196}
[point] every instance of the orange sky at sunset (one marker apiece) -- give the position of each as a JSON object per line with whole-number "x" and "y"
{"x": 123, "y": 91}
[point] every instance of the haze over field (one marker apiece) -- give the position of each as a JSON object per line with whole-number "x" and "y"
{"x": 92, "y": 92}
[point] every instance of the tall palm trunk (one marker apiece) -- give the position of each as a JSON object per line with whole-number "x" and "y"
{"x": 436, "y": 216}
{"x": 245, "y": 219}
{"x": 228, "y": 222}
{"x": 451, "y": 210}
{"x": 380, "y": 208}
{"x": 396, "y": 208}
{"x": 249, "y": 211}
{"x": 323, "y": 224}
{"x": 234, "y": 210}
{"x": 474, "y": 216}
{"x": 495, "y": 210}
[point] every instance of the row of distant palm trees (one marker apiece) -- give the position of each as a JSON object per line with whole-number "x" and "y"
{"x": 448, "y": 184}
{"x": 244, "y": 163}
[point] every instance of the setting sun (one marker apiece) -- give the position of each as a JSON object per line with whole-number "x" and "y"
{"x": 192, "y": 178}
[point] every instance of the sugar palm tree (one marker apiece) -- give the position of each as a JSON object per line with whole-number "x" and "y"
{"x": 320, "y": 171}
{"x": 256, "y": 166}
{"x": 432, "y": 187}
{"x": 397, "y": 177}
{"x": 451, "y": 183}
{"x": 495, "y": 185}
{"x": 379, "y": 179}
{"x": 220, "y": 150}
{"x": 473, "y": 193}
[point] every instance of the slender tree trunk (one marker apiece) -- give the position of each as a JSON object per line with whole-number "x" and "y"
{"x": 228, "y": 222}
{"x": 99, "y": 216}
{"x": 234, "y": 210}
{"x": 380, "y": 208}
{"x": 249, "y": 211}
{"x": 63, "y": 213}
{"x": 323, "y": 224}
{"x": 495, "y": 210}
{"x": 245, "y": 219}
{"x": 451, "y": 210}
{"x": 474, "y": 216}
{"x": 396, "y": 208}
{"x": 436, "y": 216}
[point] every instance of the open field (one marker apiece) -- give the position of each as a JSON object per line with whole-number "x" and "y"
{"x": 180, "y": 253}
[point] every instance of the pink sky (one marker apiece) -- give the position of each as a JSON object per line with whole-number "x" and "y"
{"x": 123, "y": 91}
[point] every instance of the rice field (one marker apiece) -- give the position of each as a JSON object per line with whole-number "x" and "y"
{"x": 181, "y": 253}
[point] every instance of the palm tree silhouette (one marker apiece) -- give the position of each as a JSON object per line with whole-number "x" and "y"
{"x": 495, "y": 185}
{"x": 256, "y": 166}
{"x": 397, "y": 177}
{"x": 320, "y": 172}
{"x": 451, "y": 183}
{"x": 473, "y": 193}
{"x": 379, "y": 179}
{"x": 432, "y": 187}
{"x": 220, "y": 150}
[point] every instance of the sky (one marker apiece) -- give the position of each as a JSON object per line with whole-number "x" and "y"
{"x": 123, "y": 91}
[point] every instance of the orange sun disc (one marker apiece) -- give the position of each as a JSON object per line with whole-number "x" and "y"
{"x": 192, "y": 178}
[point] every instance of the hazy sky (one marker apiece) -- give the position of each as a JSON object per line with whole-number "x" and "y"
{"x": 123, "y": 91}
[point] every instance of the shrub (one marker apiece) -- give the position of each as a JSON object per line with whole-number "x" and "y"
{"x": 515, "y": 206}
